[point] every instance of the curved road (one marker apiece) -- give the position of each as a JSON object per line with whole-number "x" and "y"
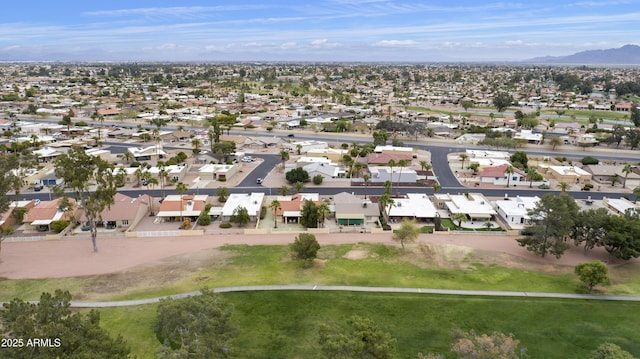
{"x": 485, "y": 293}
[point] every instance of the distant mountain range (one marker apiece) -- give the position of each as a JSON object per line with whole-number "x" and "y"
{"x": 626, "y": 55}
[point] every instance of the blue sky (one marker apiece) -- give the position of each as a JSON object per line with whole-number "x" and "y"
{"x": 323, "y": 30}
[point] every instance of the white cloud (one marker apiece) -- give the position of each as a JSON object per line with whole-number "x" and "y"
{"x": 395, "y": 43}
{"x": 324, "y": 44}
{"x": 514, "y": 42}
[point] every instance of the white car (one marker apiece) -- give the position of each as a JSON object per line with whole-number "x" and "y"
{"x": 259, "y": 180}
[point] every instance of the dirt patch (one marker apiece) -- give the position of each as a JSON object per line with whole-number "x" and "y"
{"x": 165, "y": 272}
{"x": 356, "y": 254}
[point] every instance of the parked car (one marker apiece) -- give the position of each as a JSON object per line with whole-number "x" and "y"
{"x": 38, "y": 187}
{"x": 291, "y": 135}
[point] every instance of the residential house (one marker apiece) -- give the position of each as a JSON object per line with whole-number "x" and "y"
{"x": 416, "y": 206}
{"x": 218, "y": 172}
{"x": 47, "y": 154}
{"x": 7, "y": 219}
{"x": 381, "y": 174}
{"x": 497, "y": 175}
{"x": 620, "y": 206}
{"x": 528, "y": 136}
{"x": 352, "y": 210}
{"x": 603, "y": 174}
{"x": 40, "y": 217}
{"x": 333, "y": 154}
{"x": 305, "y": 146}
{"x": 567, "y": 174}
{"x": 252, "y": 202}
{"x": 290, "y": 206}
{"x": 259, "y": 142}
{"x": 175, "y": 206}
{"x": 150, "y": 153}
{"x": 125, "y": 212}
{"x": 325, "y": 170}
{"x": 515, "y": 211}
{"x": 474, "y": 205}
{"x": 394, "y": 149}
{"x": 384, "y": 158}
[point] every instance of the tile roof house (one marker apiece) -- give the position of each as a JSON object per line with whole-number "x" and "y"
{"x": 40, "y": 217}
{"x": 497, "y": 175}
{"x": 125, "y": 212}
{"x": 290, "y": 206}
{"x": 174, "y": 206}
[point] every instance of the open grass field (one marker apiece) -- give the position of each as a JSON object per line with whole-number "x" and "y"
{"x": 284, "y": 324}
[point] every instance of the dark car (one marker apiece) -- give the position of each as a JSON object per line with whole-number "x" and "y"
{"x": 291, "y": 135}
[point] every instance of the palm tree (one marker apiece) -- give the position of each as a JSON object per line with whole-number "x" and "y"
{"x": 323, "y": 213}
{"x": 163, "y": 175}
{"x": 463, "y": 157}
{"x": 275, "y": 207}
{"x": 615, "y": 179}
{"x": 392, "y": 163}
{"x": 626, "y": 170}
{"x": 357, "y": 169}
{"x": 150, "y": 181}
{"x": 488, "y": 225}
{"x": 366, "y": 179}
{"x": 401, "y": 164}
{"x": 555, "y": 141}
{"x": 285, "y": 190}
{"x": 436, "y": 187}
{"x": 563, "y": 186}
{"x": 298, "y": 186}
{"x": 181, "y": 188}
{"x": 425, "y": 166}
{"x": 386, "y": 202}
{"x": 196, "y": 143}
{"x": 138, "y": 173}
{"x": 284, "y": 156}
{"x": 509, "y": 171}
{"x": 459, "y": 217}
{"x": 531, "y": 172}
{"x": 223, "y": 194}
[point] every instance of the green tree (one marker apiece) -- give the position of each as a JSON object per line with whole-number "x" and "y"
{"x": 636, "y": 194}
{"x": 297, "y": 174}
{"x": 92, "y": 180}
{"x": 195, "y": 144}
{"x": 380, "y": 138}
{"x": 317, "y": 179}
{"x": 224, "y": 149}
{"x": 240, "y": 216}
{"x": 592, "y": 273}
{"x": 408, "y": 232}
{"x": 275, "y": 207}
{"x": 305, "y": 247}
{"x": 66, "y": 121}
{"x": 73, "y": 335}
{"x": 552, "y": 221}
{"x": 361, "y": 338}
{"x": 159, "y": 122}
{"x": 284, "y": 156}
{"x": 564, "y": 186}
{"x": 223, "y": 194}
{"x": 386, "y": 202}
{"x": 501, "y": 101}
{"x": 591, "y": 228}
{"x": 309, "y": 215}
{"x": 623, "y": 236}
{"x": 9, "y": 162}
{"x": 610, "y": 351}
{"x": 199, "y": 326}
{"x": 299, "y": 186}
{"x": 519, "y": 159}
{"x": 555, "y": 141}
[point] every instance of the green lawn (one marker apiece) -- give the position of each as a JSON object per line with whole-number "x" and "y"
{"x": 284, "y": 324}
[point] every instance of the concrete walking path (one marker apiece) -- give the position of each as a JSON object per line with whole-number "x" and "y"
{"x": 486, "y": 293}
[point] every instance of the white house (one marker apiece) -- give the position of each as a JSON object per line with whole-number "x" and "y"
{"x": 529, "y": 136}
{"x": 381, "y": 174}
{"x": 252, "y": 202}
{"x": 150, "y": 153}
{"x": 306, "y": 145}
{"x": 414, "y": 206}
{"x": 324, "y": 170}
{"x": 514, "y": 211}
{"x": 474, "y": 205}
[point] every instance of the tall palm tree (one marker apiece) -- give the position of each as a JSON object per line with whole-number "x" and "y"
{"x": 509, "y": 171}
{"x": 196, "y": 143}
{"x": 366, "y": 179}
{"x": 163, "y": 175}
{"x": 463, "y": 157}
{"x": 626, "y": 170}
{"x": 181, "y": 188}
{"x": 531, "y": 172}
{"x": 392, "y": 163}
{"x": 275, "y": 207}
{"x": 401, "y": 164}
{"x": 436, "y": 187}
{"x": 284, "y": 156}
{"x": 459, "y": 217}
{"x": 323, "y": 213}
{"x": 298, "y": 186}
{"x": 150, "y": 182}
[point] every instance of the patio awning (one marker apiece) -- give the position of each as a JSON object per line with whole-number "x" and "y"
{"x": 480, "y": 215}
{"x": 291, "y": 214}
{"x": 41, "y": 222}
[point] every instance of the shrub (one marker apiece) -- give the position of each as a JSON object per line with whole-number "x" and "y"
{"x": 222, "y": 179}
{"x": 8, "y": 230}
{"x": 204, "y": 219}
{"x": 297, "y": 175}
{"x": 225, "y": 225}
{"x": 135, "y": 164}
{"x": 186, "y": 223}
{"x": 263, "y": 212}
{"x": 59, "y": 226}
{"x": 587, "y": 187}
{"x": 317, "y": 179}
{"x": 588, "y": 160}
